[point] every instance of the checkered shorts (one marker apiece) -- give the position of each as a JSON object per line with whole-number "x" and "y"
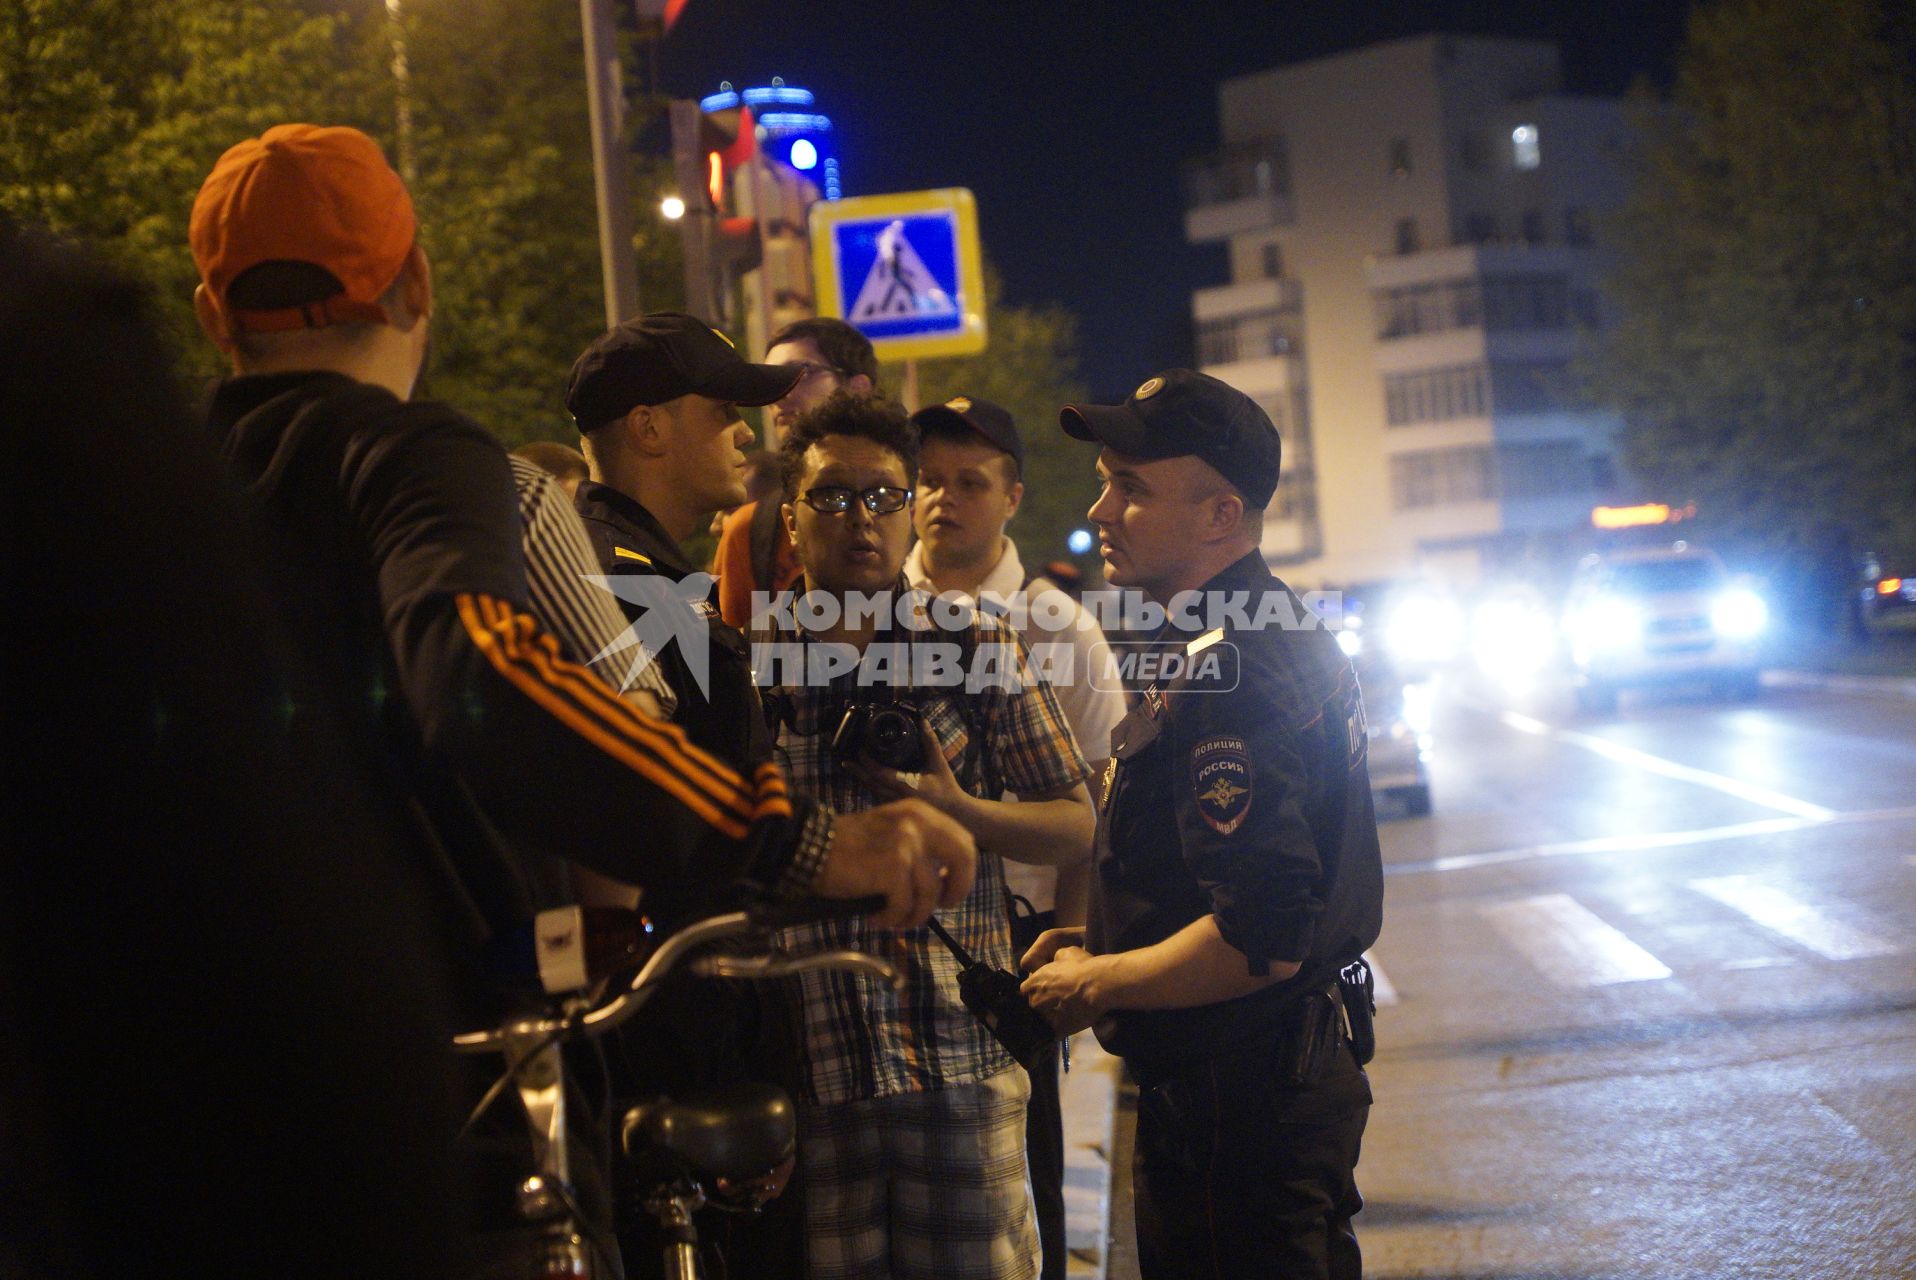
{"x": 921, "y": 1186}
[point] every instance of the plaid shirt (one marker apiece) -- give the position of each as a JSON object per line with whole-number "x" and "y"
{"x": 861, "y": 1040}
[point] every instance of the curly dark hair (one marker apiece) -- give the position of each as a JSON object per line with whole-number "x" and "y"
{"x": 883, "y": 422}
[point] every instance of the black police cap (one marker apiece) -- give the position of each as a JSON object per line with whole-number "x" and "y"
{"x": 660, "y": 357}
{"x": 1180, "y": 413}
{"x": 968, "y": 413}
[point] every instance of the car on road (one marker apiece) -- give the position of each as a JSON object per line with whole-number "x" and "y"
{"x": 1665, "y": 615}
{"x": 1398, "y": 713}
{"x": 1396, "y": 638}
{"x": 1889, "y": 590}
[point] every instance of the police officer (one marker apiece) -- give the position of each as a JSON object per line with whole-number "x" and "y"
{"x": 1237, "y": 865}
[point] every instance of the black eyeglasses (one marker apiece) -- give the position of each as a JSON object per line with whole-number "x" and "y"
{"x": 809, "y": 369}
{"x": 836, "y": 500}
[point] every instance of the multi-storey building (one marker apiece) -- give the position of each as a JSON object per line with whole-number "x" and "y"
{"x": 1410, "y": 233}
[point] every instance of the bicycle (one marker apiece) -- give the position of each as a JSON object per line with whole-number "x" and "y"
{"x": 595, "y": 970}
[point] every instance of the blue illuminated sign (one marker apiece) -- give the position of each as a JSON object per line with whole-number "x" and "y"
{"x": 904, "y": 269}
{"x": 901, "y": 275}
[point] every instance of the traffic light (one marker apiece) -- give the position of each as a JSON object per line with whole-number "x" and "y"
{"x": 731, "y": 138}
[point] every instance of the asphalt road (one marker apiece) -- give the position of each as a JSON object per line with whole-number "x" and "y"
{"x": 1654, "y": 995}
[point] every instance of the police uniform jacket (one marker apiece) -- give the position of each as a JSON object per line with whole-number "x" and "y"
{"x": 1237, "y": 788}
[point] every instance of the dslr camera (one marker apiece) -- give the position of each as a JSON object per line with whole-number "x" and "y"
{"x": 886, "y": 734}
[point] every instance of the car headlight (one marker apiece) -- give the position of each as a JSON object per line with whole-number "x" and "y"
{"x": 1739, "y": 614}
{"x": 1606, "y": 623}
{"x": 1425, "y": 630}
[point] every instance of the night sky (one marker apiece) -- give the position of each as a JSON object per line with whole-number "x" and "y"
{"x": 1070, "y": 120}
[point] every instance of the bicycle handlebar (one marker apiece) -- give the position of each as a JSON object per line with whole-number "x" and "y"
{"x": 596, "y": 1015}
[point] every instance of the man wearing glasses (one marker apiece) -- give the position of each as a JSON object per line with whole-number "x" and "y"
{"x": 912, "y": 1115}
{"x": 753, "y": 552}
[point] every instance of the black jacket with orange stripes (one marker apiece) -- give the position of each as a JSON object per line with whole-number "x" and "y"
{"x": 394, "y": 527}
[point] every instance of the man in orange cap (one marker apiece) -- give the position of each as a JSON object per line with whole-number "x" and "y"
{"x": 394, "y": 524}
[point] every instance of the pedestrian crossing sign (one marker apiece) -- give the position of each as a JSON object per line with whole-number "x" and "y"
{"x": 904, "y": 270}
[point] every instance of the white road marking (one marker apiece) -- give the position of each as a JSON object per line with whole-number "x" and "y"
{"x": 1671, "y": 769}
{"x": 1801, "y": 923}
{"x": 1386, "y": 993}
{"x": 1570, "y": 945}
{"x": 1646, "y": 842}
{"x": 1759, "y": 962}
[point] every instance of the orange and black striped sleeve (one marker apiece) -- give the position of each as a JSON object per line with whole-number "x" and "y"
{"x": 690, "y": 811}
{"x": 555, "y": 759}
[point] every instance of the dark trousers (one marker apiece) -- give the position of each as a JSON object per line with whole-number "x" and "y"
{"x": 1241, "y": 1174}
{"x": 1044, "y": 1153}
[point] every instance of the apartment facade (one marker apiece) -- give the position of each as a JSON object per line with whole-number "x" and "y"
{"x": 1412, "y": 273}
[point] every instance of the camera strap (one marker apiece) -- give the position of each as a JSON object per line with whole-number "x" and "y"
{"x": 963, "y": 956}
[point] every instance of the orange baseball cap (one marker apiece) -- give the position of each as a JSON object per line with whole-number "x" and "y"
{"x": 308, "y": 194}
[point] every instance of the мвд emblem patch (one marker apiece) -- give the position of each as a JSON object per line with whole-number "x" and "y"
{"x": 1221, "y": 783}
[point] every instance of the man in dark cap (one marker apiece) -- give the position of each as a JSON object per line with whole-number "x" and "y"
{"x": 1238, "y": 879}
{"x": 657, "y": 401}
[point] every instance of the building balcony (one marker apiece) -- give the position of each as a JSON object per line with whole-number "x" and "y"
{"x": 1259, "y": 336}
{"x": 1242, "y": 188}
{"x": 1230, "y": 301}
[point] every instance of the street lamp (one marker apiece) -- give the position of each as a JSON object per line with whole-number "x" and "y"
{"x": 672, "y": 208}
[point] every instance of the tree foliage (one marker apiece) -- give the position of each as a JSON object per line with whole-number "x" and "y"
{"x": 1766, "y": 274}
{"x": 1031, "y": 368}
{"x": 117, "y": 110}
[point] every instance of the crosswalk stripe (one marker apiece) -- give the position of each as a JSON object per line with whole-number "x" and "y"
{"x": 1570, "y": 945}
{"x": 1385, "y": 993}
{"x": 1783, "y": 913}
{"x": 1671, "y": 769}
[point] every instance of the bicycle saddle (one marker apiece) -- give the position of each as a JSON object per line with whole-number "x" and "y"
{"x": 735, "y": 1132}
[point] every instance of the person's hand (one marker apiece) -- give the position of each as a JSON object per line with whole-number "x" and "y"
{"x": 1046, "y": 945}
{"x": 1064, "y": 991}
{"x": 938, "y": 786}
{"x": 916, "y": 857}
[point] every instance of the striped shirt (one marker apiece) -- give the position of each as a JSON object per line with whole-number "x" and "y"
{"x": 862, "y": 1040}
{"x": 561, "y": 587}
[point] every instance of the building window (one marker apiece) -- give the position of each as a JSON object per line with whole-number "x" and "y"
{"x": 1547, "y": 469}
{"x": 1475, "y": 156}
{"x": 1533, "y": 300}
{"x": 1529, "y": 301}
{"x": 1531, "y": 386}
{"x": 1576, "y": 225}
{"x": 1248, "y": 337}
{"x": 1407, "y": 235}
{"x": 1436, "y": 395}
{"x": 1479, "y": 228}
{"x": 1526, "y": 148}
{"x": 1271, "y": 260}
{"x": 1442, "y": 477}
{"x": 1400, "y": 157}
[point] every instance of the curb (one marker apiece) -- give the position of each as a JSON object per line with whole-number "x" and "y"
{"x": 1872, "y": 686}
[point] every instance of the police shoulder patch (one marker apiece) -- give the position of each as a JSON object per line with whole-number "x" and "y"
{"x": 1221, "y": 782}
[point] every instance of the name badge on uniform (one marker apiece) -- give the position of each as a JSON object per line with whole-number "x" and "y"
{"x": 1221, "y": 783}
